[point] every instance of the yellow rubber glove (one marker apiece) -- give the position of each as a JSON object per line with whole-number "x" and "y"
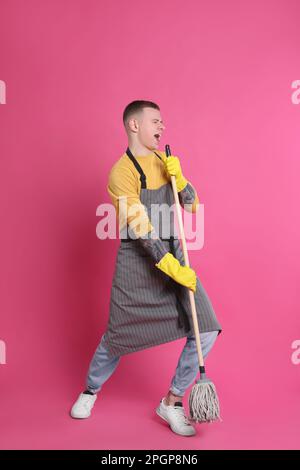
{"x": 184, "y": 275}
{"x": 172, "y": 166}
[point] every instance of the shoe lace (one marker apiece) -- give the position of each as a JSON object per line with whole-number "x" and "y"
{"x": 85, "y": 398}
{"x": 180, "y": 413}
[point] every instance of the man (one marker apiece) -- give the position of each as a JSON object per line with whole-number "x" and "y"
{"x": 149, "y": 302}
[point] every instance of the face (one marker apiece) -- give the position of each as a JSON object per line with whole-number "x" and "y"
{"x": 150, "y": 128}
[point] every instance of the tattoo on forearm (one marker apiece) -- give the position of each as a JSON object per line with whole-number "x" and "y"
{"x": 187, "y": 195}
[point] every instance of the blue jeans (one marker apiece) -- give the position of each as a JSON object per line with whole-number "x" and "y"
{"x": 102, "y": 367}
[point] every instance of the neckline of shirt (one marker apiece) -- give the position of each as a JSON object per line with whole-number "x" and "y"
{"x": 145, "y": 156}
{"x": 152, "y": 154}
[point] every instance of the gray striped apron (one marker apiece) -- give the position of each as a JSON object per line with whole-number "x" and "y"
{"x": 147, "y": 307}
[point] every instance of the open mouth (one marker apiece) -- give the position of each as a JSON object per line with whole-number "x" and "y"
{"x": 157, "y": 136}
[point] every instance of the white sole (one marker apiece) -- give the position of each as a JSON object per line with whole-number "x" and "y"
{"x": 79, "y": 417}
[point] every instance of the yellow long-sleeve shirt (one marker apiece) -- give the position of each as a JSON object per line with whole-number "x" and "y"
{"x": 124, "y": 181}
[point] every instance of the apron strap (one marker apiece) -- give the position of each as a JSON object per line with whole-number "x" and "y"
{"x": 158, "y": 156}
{"x": 138, "y": 167}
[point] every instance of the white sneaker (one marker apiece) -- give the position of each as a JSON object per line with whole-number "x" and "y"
{"x": 175, "y": 416}
{"x": 83, "y": 405}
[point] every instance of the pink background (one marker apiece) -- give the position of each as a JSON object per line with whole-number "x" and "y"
{"x": 221, "y": 73}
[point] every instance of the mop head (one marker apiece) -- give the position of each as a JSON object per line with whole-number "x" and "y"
{"x": 204, "y": 402}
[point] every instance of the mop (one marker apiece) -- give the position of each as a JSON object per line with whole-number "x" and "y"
{"x": 203, "y": 399}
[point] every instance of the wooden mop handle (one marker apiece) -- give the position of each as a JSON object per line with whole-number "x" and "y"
{"x": 186, "y": 261}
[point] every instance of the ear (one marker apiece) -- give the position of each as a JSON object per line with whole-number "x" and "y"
{"x": 133, "y": 124}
